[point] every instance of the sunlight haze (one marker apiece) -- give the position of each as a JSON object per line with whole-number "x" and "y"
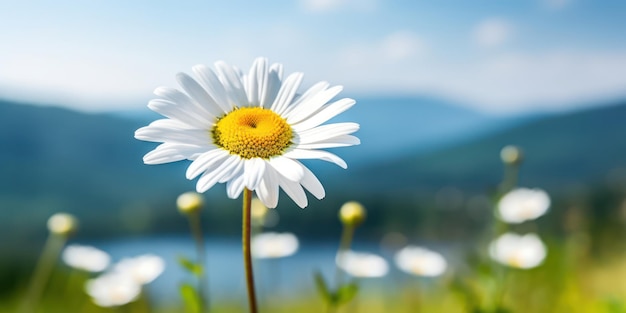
{"x": 496, "y": 57}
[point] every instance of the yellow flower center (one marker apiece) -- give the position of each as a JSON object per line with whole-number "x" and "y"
{"x": 516, "y": 260}
{"x": 252, "y": 133}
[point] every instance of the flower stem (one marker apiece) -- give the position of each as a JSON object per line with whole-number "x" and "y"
{"x": 509, "y": 181}
{"x": 247, "y": 257}
{"x": 346, "y": 240}
{"x": 196, "y": 231}
{"x": 44, "y": 267}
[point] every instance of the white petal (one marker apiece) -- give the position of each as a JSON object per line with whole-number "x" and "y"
{"x": 294, "y": 191}
{"x": 288, "y": 168}
{"x": 204, "y": 161}
{"x": 256, "y": 81}
{"x": 326, "y": 132}
{"x": 176, "y": 96}
{"x": 324, "y": 114}
{"x": 212, "y": 84}
{"x": 235, "y": 187}
{"x": 208, "y": 179}
{"x": 287, "y": 92}
{"x": 315, "y": 154}
{"x": 171, "y": 110}
{"x": 304, "y": 109}
{"x": 309, "y": 94}
{"x": 235, "y": 172}
{"x": 254, "y": 170}
{"x": 202, "y": 99}
{"x": 170, "y": 152}
{"x": 312, "y": 184}
{"x": 278, "y": 69}
{"x": 267, "y": 190}
{"x": 334, "y": 142}
{"x": 232, "y": 83}
{"x": 156, "y": 133}
{"x": 170, "y": 123}
{"x": 273, "y": 86}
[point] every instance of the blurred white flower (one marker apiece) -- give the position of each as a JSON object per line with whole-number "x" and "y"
{"x": 523, "y": 204}
{"x": 274, "y": 245}
{"x": 360, "y": 264}
{"x": 524, "y": 252}
{"x": 420, "y": 261}
{"x": 86, "y": 258}
{"x": 112, "y": 289}
{"x": 142, "y": 269}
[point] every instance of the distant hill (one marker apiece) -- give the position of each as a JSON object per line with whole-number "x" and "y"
{"x": 561, "y": 151}
{"x": 396, "y": 125}
{"x": 53, "y": 159}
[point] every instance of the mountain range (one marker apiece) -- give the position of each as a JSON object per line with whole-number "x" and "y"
{"x": 54, "y": 159}
{"x": 586, "y": 146}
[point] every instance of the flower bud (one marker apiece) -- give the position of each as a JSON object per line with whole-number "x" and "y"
{"x": 62, "y": 224}
{"x": 511, "y": 155}
{"x": 189, "y": 202}
{"x": 352, "y": 213}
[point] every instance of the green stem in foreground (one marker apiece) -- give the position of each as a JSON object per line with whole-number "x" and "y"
{"x": 344, "y": 245}
{"x": 509, "y": 181}
{"x": 196, "y": 231}
{"x": 247, "y": 256}
{"x": 51, "y": 251}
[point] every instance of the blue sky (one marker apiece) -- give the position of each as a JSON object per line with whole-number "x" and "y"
{"x": 499, "y": 56}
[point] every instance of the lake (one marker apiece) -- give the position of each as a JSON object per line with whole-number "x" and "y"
{"x": 279, "y": 277}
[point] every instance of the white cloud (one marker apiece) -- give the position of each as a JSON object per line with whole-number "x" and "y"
{"x": 396, "y": 47}
{"x": 506, "y": 84}
{"x": 319, "y": 6}
{"x": 402, "y": 45}
{"x": 525, "y": 82}
{"x": 556, "y": 4}
{"x": 492, "y": 32}
{"x": 82, "y": 82}
{"x": 109, "y": 77}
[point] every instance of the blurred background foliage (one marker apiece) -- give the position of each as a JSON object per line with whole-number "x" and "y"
{"x": 55, "y": 159}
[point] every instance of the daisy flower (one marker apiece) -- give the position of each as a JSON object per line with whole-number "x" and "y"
{"x": 112, "y": 290}
{"x": 141, "y": 269}
{"x": 86, "y": 258}
{"x": 274, "y": 245}
{"x": 362, "y": 264}
{"x": 249, "y": 130}
{"x": 523, "y": 204}
{"x": 523, "y": 252}
{"x": 420, "y": 261}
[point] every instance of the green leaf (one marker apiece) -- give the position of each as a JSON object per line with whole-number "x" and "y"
{"x": 614, "y": 305}
{"x": 346, "y": 292}
{"x": 322, "y": 287}
{"x": 461, "y": 286}
{"x": 190, "y": 298}
{"x": 190, "y": 266}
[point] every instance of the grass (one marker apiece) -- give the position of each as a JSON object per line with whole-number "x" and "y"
{"x": 584, "y": 284}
